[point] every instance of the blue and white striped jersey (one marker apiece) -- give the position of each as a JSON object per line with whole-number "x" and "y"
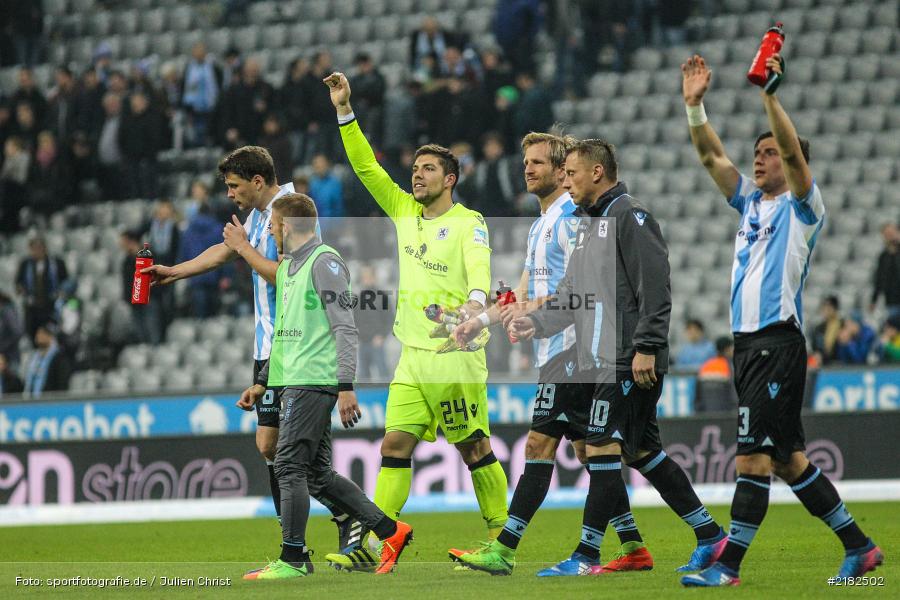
{"x": 551, "y": 240}
{"x": 259, "y": 231}
{"x": 771, "y": 255}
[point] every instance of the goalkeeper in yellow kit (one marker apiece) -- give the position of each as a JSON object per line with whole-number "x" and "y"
{"x": 444, "y": 257}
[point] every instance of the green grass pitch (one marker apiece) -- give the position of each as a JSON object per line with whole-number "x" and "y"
{"x": 792, "y": 557}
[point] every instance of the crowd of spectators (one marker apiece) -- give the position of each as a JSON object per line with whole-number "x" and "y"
{"x": 96, "y": 134}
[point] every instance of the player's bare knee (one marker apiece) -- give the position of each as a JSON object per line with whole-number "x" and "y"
{"x": 398, "y": 444}
{"x": 793, "y": 469}
{"x": 473, "y": 451}
{"x": 540, "y": 447}
{"x": 754, "y": 464}
{"x": 609, "y": 449}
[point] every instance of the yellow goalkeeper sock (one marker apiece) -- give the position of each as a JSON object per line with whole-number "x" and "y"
{"x": 489, "y": 481}
{"x": 392, "y": 485}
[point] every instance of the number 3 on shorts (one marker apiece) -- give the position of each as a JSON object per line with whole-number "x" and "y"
{"x": 599, "y": 413}
{"x": 744, "y": 416}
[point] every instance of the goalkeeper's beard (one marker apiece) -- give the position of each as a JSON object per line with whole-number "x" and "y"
{"x": 428, "y": 200}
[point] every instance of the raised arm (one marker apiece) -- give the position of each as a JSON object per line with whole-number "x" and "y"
{"x": 696, "y": 76}
{"x": 796, "y": 170}
{"x": 389, "y": 196}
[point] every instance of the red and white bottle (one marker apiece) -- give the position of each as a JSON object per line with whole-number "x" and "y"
{"x": 506, "y": 295}
{"x": 771, "y": 45}
{"x": 140, "y": 285}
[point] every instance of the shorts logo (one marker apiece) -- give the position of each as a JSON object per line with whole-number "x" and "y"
{"x": 570, "y": 368}
{"x": 626, "y": 386}
{"x": 773, "y": 390}
{"x": 640, "y": 216}
{"x": 474, "y": 410}
{"x": 442, "y": 233}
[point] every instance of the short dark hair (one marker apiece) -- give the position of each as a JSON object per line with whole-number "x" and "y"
{"x": 804, "y": 143}
{"x": 599, "y": 152}
{"x": 300, "y": 208}
{"x": 723, "y": 343}
{"x": 448, "y": 161}
{"x": 247, "y": 162}
{"x": 695, "y": 323}
{"x": 833, "y": 301}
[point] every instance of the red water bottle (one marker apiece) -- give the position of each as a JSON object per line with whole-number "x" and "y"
{"x": 771, "y": 44}
{"x": 140, "y": 285}
{"x": 505, "y": 295}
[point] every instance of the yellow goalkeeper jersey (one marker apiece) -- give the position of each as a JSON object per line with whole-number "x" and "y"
{"x": 441, "y": 260}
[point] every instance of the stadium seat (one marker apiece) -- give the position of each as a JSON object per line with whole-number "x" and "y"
{"x": 260, "y": 13}
{"x": 115, "y": 381}
{"x": 621, "y": 110}
{"x": 642, "y": 132}
{"x": 135, "y": 356}
{"x": 136, "y": 46}
{"x": 178, "y": 380}
{"x": 645, "y": 59}
{"x": 387, "y": 28}
{"x": 870, "y": 119}
{"x": 147, "y": 380}
{"x": 181, "y": 331}
{"x": 887, "y": 143}
{"x": 885, "y": 14}
{"x": 374, "y": 8}
{"x": 127, "y": 21}
{"x": 604, "y": 85}
{"x": 724, "y": 27}
{"x": 632, "y": 159}
{"x": 85, "y": 382}
{"x": 655, "y": 107}
{"x": 316, "y": 10}
{"x": 839, "y": 122}
{"x": 879, "y": 170}
{"x": 345, "y": 9}
{"x": 181, "y": 18}
{"x": 100, "y": 24}
{"x": 821, "y": 20}
{"x": 168, "y": 356}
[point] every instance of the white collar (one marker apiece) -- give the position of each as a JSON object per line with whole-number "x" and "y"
{"x": 557, "y": 204}
{"x": 287, "y": 188}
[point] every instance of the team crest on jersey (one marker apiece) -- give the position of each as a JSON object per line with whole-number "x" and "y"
{"x": 548, "y": 235}
{"x": 602, "y": 229}
{"x": 640, "y": 216}
{"x": 442, "y": 233}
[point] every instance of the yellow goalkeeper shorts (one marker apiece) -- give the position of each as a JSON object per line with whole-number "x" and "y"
{"x": 432, "y": 389}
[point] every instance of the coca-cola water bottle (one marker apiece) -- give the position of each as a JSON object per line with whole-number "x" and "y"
{"x": 771, "y": 44}
{"x": 140, "y": 285}
{"x": 506, "y": 295}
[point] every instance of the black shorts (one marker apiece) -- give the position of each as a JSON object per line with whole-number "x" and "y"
{"x": 770, "y": 377}
{"x": 267, "y": 407}
{"x": 560, "y": 404}
{"x": 626, "y": 413}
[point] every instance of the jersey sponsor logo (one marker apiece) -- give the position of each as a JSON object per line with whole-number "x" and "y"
{"x": 626, "y": 386}
{"x": 757, "y": 235}
{"x": 443, "y": 232}
{"x": 773, "y": 389}
{"x": 294, "y": 332}
{"x": 602, "y": 230}
{"x": 640, "y": 216}
{"x": 542, "y": 272}
{"x": 481, "y": 236}
{"x": 435, "y": 266}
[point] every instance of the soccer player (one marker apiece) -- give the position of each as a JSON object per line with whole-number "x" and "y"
{"x": 444, "y": 258}
{"x": 249, "y": 174}
{"x": 561, "y": 400}
{"x": 782, "y": 213}
{"x": 622, "y": 417}
{"x": 313, "y": 364}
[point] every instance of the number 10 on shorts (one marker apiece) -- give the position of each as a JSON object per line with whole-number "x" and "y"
{"x": 599, "y": 413}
